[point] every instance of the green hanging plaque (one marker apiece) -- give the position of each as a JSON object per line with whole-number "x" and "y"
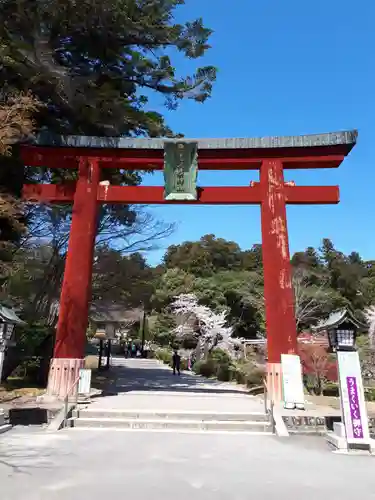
{"x": 180, "y": 170}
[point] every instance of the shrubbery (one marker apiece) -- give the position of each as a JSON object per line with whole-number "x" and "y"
{"x": 221, "y": 366}
{"x": 164, "y": 355}
{"x": 206, "y": 368}
{"x": 249, "y": 374}
{"x": 218, "y": 364}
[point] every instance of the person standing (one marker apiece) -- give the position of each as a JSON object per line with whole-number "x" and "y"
{"x": 134, "y": 350}
{"x": 176, "y": 362}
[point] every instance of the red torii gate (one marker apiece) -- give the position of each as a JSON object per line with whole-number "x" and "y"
{"x": 270, "y": 155}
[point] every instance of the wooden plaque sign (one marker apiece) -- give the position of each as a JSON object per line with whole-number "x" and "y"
{"x": 180, "y": 170}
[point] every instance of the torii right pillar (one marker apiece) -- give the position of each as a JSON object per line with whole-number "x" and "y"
{"x": 278, "y": 291}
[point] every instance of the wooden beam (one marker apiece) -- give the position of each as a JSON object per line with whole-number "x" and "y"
{"x": 49, "y": 193}
{"x": 148, "y": 195}
{"x": 234, "y": 195}
{"x": 51, "y": 159}
{"x": 313, "y": 162}
{"x": 300, "y": 162}
{"x": 312, "y": 195}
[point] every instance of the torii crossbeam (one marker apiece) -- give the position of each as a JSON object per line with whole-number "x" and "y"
{"x": 269, "y": 155}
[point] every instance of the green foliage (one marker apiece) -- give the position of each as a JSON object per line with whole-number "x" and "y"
{"x": 164, "y": 355}
{"x": 93, "y": 65}
{"x": 94, "y": 62}
{"x": 219, "y": 365}
{"x": 169, "y": 284}
{"x": 370, "y": 393}
{"x": 160, "y": 329}
{"x": 183, "y": 364}
{"x": 220, "y": 356}
{"x": 329, "y": 389}
{"x": 221, "y": 275}
{"x": 206, "y": 368}
{"x": 247, "y": 373}
{"x": 204, "y": 257}
{"x": 29, "y": 337}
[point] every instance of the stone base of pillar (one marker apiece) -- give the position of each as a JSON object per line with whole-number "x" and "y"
{"x": 274, "y": 382}
{"x": 62, "y": 375}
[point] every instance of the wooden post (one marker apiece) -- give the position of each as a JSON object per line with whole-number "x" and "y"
{"x": 100, "y": 354}
{"x": 70, "y": 343}
{"x": 143, "y": 332}
{"x": 278, "y": 291}
{"x": 109, "y": 345}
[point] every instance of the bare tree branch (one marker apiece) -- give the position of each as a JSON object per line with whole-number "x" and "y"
{"x": 308, "y": 298}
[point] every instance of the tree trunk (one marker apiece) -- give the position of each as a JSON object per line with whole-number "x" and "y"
{"x": 12, "y": 359}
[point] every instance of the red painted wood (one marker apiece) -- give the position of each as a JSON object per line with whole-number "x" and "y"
{"x": 272, "y": 193}
{"x": 49, "y": 193}
{"x": 155, "y": 195}
{"x": 310, "y": 162}
{"x": 76, "y": 289}
{"x": 48, "y": 157}
{"x": 278, "y": 291}
{"x": 312, "y": 195}
{"x": 236, "y": 195}
{"x": 43, "y": 156}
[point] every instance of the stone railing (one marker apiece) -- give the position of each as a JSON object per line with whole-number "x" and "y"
{"x": 317, "y": 425}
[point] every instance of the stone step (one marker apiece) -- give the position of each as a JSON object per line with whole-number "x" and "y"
{"x": 170, "y": 424}
{"x": 198, "y": 415}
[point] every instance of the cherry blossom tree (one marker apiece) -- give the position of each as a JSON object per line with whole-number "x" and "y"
{"x": 212, "y": 327}
{"x": 370, "y": 317}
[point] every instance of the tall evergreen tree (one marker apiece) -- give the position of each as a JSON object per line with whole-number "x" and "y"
{"x": 93, "y": 65}
{"x": 94, "y": 62}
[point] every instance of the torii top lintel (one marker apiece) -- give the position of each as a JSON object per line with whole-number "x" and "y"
{"x": 269, "y": 154}
{"x": 305, "y": 151}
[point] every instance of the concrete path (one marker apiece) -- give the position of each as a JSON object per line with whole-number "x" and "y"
{"x": 39, "y": 465}
{"x": 147, "y": 384}
{"x": 97, "y": 465}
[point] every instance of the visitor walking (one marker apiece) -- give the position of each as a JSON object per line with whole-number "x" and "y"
{"x": 134, "y": 351}
{"x": 176, "y": 362}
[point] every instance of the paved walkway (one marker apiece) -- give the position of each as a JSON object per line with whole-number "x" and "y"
{"x": 147, "y": 384}
{"x": 96, "y": 465}
{"x": 41, "y": 465}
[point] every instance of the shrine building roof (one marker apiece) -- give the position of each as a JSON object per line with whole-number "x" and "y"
{"x": 9, "y": 316}
{"x": 336, "y": 318}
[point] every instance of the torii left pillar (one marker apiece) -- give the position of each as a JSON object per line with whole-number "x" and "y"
{"x": 68, "y": 356}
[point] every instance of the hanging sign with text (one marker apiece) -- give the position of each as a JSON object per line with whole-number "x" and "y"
{"x": 353, "y": 398}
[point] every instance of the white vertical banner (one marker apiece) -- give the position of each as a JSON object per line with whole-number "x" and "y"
{"x": 84, "y": 384}
{"x": 353, "y": 398}
{"x": 293, "y": 394}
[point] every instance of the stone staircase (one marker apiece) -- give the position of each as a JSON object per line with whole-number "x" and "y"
{"x": 170, "y": 420}
{"x": 147, "y": 397}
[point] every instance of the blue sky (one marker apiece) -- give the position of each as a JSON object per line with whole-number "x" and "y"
{"x": 286, "y": 67}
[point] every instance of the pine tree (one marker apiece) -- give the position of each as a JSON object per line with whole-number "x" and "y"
{"x": 94, "y": 62}
{"x": 16, "y": 123}
{"x": 93, "y": 65}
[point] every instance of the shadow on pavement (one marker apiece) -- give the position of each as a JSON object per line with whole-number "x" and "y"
{"x": 160, "y": 379}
